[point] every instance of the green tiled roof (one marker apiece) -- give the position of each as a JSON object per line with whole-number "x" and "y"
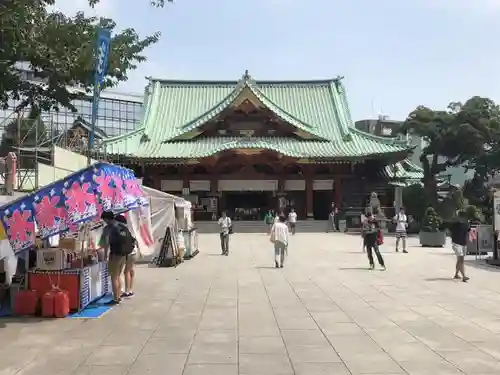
{"x": 404, "y": 171}
{"x": 176, "y": 109}
{"x": 203, "y": 147}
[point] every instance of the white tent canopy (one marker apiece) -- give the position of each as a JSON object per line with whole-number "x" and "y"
{"x": 162, "y": 206}
{"x": 162, "y": 210}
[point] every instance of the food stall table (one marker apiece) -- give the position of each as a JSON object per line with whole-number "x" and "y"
{"x": 84, "y": 285}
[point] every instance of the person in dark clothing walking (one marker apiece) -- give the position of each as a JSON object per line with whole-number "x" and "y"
{"x": 370, "y": 235}
{"x": 459, "y": 233}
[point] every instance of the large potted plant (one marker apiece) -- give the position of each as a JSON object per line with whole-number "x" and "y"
{"x": 431, "y": 232}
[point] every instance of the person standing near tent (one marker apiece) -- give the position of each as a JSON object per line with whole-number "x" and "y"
{"x": 225, "y": 229}
{"x": 118, "y": 243}
{"x": 129, "y": 271}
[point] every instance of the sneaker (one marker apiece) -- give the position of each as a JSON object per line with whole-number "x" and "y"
{"x": 281, "y": 266}
{"x": 384, "y": 268}
{"x": 372, "y": 266}
{"x": 276, "y": 265}
{"x": 465, "y": 279}
{"x": 456, "y": 277}
{"x": 123, "y": 295}
{"x": 397, "y": 250}
{"x": 405, "y": 251}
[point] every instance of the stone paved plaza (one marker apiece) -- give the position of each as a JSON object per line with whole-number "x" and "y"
{"x": 324, "y": 313}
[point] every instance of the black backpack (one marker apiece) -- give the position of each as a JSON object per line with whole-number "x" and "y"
{"x": 121, "y": 241}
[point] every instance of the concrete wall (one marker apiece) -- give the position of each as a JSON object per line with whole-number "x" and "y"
{"x": 65, "y": 163}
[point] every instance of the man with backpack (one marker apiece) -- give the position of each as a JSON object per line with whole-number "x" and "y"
{"x": 129, "y": 271}
{"x": 118, "y": 243}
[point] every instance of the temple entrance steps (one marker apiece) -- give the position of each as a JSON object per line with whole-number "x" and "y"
{"x": 304, "y": 226}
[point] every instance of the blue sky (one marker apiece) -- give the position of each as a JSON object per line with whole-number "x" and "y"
{"x": 394, "y": 54}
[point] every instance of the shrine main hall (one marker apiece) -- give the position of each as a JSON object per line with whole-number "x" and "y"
{"x": 247, "y": 146}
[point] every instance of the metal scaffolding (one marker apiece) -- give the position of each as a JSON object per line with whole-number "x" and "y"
{"x": 33, "y": 141}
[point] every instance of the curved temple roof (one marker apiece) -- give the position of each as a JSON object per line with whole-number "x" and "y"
{"x": 403, "y": 173}
{"x": 175, "y": 110}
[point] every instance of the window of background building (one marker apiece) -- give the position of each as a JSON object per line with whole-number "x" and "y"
{"x": 115, "y": 117}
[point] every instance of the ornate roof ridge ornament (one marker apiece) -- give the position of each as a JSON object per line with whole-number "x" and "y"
{"x": 246, "y": 80}
{"x": 338, "y": 81}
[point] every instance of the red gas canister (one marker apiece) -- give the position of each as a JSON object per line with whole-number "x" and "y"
{"x": 61, "y": 303}
{"x": 48, "y": 305}
{"x": 25, "y": 302}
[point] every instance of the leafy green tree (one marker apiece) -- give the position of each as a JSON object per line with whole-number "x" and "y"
{"x": 414, "y": 201}
{"x": 60, "y": 51}
{"x": 457, "y": 136}
{"x": 432, "y": 222}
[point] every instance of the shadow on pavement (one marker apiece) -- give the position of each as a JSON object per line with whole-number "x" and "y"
{"x": 433, "y": 279}
{"x": 481, "y": 264}
{"x": 5, "y": 321}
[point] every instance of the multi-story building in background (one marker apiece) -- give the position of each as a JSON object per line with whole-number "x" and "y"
{"x": 385, "y": 127}
{"x": 119, "y": 113}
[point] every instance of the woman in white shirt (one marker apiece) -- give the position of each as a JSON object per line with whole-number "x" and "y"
{"x": 279, "y": 237}
{"x": 401, "y": 224}
{"x": 292, "y": 220}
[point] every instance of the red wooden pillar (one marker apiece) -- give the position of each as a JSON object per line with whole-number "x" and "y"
{"x": 214, "y": 182}
{"x": 338, "y": 192}
{"x": 156, "y": 178}
{"x": 281, "y": 182}
{"x": 185, "y": 173}
{"x": 309, "y": 195}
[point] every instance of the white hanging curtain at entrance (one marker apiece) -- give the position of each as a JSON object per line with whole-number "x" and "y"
{"x": 199, "y": 185}
{"x": 295, "y": 185}
{"x": 248, "y": 185}
{"x": 171, "y": 185}
{"x": 323, "y": 185}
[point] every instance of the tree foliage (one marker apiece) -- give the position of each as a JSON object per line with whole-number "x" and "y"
{"x": 415, "y": 201}
{"x": 60, "y": 51}
{"x": 464, "y": 134}
{"x": 432, "y": 222}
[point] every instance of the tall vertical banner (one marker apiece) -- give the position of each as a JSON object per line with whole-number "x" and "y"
{"x": 101, "y": 65}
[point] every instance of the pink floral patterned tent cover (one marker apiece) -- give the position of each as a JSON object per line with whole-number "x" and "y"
{"x": 78, "y": 198}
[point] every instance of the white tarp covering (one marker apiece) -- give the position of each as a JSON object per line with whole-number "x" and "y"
{"x": 162, "y": 209}
{"x": 6, "y": 253}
